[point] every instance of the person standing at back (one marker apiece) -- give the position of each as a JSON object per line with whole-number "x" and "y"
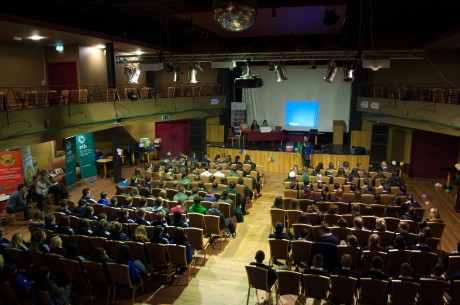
{"x": 307, "y": 148}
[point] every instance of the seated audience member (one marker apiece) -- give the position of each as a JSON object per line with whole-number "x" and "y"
{"x": 209, "y": 196}
{"x": 158, "y": 206}
{"x": 346, "y": 262}
{"x": 178, "y": 207}
{"x": 399, "y": 243}
{"x": 178, "y": 220}
{"x": 409, "y": 213}
{"x": 19, "y": 284}
{"x": 157, "y": 236}
{"x": 89, "y": 213}
{"x": 17, "y": 202}
{"x": 79, "y": 210}
{"x": 134, "y": 184}
{"x": 180, "y": 195}
{"x": 58, "y": 295}
{"x": 128, "y": 204}
{"x": 125, "y": 256}
{"x": 405, "y": 274}
{"x": 116, "y": 232}
{"x": 140, "y": 235}
{"x": 279, "y": 232}
{"x": 148, "y": 183}
{"x": 50, "y": 222}
{"x": 181, "y": 239}
{"x": 140, "y": 214}
{"x": 434, "y": 216}
{"x": 271, "y": 275}
{"x": 86, "y": 194}
{"x": 303, "y": 235}
{"x": 373, "y": 243}
{"x": 224, "y": 222}
{"x": 101, "y": 229}
{"x": 317, "y": 266}
{"x": 64, "y": 208}
{"x": 160, "y": 220}
{"x": 197, "y": 207}
{"x": 327, "y": 236}
{"x": 124, "y": 216}
{"x": 278, "y": 203}
{"x": 64, "y": 226}
{"x": 56, "y": 246}
{"x": 445, "y": 258}
{"x": 85, "y": 227}
{"x": 104, "y": 199}
{"x": 38, "y": 220}
{"x": 99, "y": 255}
{"x": 73, "y": 254}
{"x": 421, "y": 243}
{"x": 37, "y": 242}
{"x": 376, "y": 270}
{"x": 124, "y": 181}
{"x": 438, "y": 273}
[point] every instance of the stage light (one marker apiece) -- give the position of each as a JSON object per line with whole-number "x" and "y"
{"x": 131, "y": 73}
{"x": 280, "y": 72}
{"x": 177, "y": 75}
{"x": 331, "y": 71}
{"x": 348, "y": 70}
{"x": 133, "y": 96}
{"x": 192, "y": 75}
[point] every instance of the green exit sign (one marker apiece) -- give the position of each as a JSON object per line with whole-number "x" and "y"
{"x": 165, "y": 117}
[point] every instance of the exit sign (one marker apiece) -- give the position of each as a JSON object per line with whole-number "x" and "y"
{"x": 165, "y": 117}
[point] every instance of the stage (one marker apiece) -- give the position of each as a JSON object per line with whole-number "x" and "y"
{"x": 284, "y": 161}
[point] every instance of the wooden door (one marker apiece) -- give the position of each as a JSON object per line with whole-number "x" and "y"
{"x": 62, "y": 75}
{"x": 432, "y": 151}
{"x": 175, "y": 137}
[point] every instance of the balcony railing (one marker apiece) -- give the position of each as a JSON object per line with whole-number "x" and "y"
{"x": 432, "y": 94}
{"x": 17, "y": 98}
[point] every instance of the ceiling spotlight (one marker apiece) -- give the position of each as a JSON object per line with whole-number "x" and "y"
{"x": 376, "y": 64}
{"x": 331, "y": 71}
{"x": 348, "y": 70}
{"x": 281, "y": 74}
{"x": 199, "y": 67}
{"x": 235, "y": 16}
{"x": 192, "y": 75}
{"x": 36, "y": 37}
{"x": 177, "y": 75}
{"x": 330, "y": 17}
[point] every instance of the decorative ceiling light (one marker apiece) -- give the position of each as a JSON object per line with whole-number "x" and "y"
{"x": 236, "y": 15}
{"x": 281, "y": 74}
{"x": 348, "y": 70}
{"x": 331, "y": 71}
{"x": 131, "y": 73}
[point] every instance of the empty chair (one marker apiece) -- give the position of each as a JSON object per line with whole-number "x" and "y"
{"x": 158, "y": 258}
{"x": 422, "y": 262}
{"x": 279, "y": 249}
{"x": 196, "y": 220}
{"x": 277, "y": 215}
{"x": 300, "y": 252}
{"x": 431, "y": 291}
{"x": 403, "y": 292}
{"x": 288, "y": 284}
{"x": 213, "y": 229}
{"x": 372, "y": 291}
{"x": 315, "y": 286}
{"x": 96, "y": 274}
{"x": 197, "y": 241}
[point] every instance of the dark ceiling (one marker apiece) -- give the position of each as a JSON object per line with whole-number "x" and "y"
{"x": 180, "y": 24}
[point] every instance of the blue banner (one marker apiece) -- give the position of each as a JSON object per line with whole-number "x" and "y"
{"x": 86, "y": 155}
{"x": 70, "y": 161}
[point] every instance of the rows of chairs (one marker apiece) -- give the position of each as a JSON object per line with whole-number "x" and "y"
{"x": 341, "y": 289}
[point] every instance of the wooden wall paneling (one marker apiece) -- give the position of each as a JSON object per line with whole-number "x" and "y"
{"x": 361, "y": 138}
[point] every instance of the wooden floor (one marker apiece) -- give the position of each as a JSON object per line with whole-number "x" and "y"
{"x": 223, "y": 279}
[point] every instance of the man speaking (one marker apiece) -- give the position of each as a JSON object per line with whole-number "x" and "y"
{"x": 307, "y": 147}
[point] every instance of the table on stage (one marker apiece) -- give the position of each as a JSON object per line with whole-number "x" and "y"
{"x": 104, "y": 162}
{"x": 257, "y": 136}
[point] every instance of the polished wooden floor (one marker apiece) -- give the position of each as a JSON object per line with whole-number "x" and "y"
{"x": 223, "y": 279}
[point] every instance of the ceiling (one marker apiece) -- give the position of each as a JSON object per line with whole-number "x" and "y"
{"x": 188, "y": 26}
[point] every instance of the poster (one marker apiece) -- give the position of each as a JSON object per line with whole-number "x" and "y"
{"x": 86, "y": 155}
{"x": 11, "y": 173}
{"x": 70, "y": 161}
{"x": 27, "y": 165}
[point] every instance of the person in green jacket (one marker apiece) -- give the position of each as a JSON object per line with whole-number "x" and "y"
{"x": 197, "y": 207}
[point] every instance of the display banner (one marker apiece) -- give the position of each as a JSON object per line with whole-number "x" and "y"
{"x": 86, "y": 155}
{"x": 27, "y": 165}
{"x": 70, "y": 161}
{"x": 11, "y": 173}
{"x": 238, "y": 113}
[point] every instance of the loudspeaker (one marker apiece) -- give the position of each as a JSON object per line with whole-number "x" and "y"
{"x": 198, "y": 137}
{"x": 379, "y": 144}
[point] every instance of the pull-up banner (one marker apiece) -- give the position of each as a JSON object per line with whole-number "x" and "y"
{"x": 27, "y": 165}
{"x": 70, "y": 161}
{"x": 10, "y": 171}
{"x": 86, "y": 155}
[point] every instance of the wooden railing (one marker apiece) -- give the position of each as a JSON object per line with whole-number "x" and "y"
{"x": 17, "y": 98}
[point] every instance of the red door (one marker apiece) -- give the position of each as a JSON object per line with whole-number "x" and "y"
{"x": 431, "y": 151}
{"x": 62, "y": 75}
{"x": 175, "y": 137}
